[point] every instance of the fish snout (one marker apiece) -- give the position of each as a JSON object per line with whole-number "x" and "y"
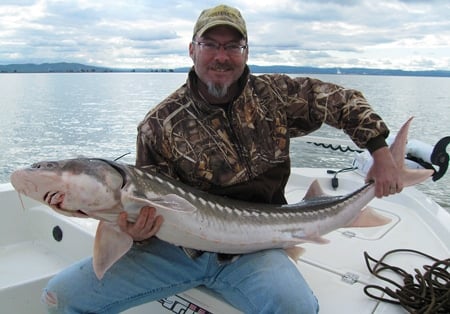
{"x": 20, "y": 183}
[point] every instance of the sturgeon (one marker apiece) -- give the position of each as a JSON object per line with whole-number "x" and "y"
{"x": 101, "y": 189}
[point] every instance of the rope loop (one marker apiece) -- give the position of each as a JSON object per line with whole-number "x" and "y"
{"x": 427, "y": 292}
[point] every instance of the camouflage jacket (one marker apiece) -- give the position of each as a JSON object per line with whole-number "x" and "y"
{"x": 242, "y": 151}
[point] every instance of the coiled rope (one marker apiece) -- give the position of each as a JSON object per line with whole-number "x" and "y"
{"x": 427, "y": 292}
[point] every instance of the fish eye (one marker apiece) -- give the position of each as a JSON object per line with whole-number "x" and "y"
{"x": 44, "y": 164}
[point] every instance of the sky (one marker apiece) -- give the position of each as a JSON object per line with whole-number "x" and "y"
{"x": 388, "y": 34}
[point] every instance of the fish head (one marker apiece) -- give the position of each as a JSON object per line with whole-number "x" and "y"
{"x": 79, "y": 187}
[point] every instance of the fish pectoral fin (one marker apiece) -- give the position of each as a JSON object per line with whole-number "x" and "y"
{"x": 166, "y": 202}
{"x": 314, "y": 190}
{"x": 368, "y": 217}
{"x": 110, "y": 245}
{"x": 316, "y": 238}
{"x": 295, "y": 252}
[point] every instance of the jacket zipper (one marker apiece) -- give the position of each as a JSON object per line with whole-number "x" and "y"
{"x": 236, "y": 141}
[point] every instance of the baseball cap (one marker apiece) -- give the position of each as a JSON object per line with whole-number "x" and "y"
{"x": 220, "y": 15}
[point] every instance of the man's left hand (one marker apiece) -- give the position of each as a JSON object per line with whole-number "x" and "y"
{"x": 146, "y": 226}
{"x": 385, "y": 173}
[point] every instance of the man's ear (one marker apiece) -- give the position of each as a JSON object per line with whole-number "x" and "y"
{"x": 246, "y": 54}
{"x": 191, "y": 51}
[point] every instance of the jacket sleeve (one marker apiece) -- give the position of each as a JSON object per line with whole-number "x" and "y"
{"x": 146, "y": 156}
{"x": 312, "y": 102}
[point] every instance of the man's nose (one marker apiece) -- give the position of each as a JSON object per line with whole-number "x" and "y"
{"x": 221, "y": 54}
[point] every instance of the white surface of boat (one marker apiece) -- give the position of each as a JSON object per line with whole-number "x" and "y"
{"x": 30, "y": 254}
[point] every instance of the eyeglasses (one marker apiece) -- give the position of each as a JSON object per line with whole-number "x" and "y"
{"x": 213, "y": 47}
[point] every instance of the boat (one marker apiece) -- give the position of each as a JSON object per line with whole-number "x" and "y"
{"x": 37, "y": 243}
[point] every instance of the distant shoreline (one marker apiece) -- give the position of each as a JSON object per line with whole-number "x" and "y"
{"x": 65, "y": 67}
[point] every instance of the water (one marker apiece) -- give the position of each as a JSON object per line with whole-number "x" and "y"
{"x": 56, "y": 116}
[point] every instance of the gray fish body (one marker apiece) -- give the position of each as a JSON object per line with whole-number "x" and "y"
{"x": 192, "y": 218}
{"x": 101, "y": 189}
{"x": 214, "y": 223}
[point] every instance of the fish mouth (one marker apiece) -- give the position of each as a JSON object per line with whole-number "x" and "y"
{"x": 55, "y": 200}
{"x": 80, "y": 213}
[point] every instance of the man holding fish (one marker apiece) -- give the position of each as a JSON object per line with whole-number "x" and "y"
{"x": 226, "y": 132}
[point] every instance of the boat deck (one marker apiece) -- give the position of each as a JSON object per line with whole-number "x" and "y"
{"x": 416, "y": 223}
{"x": 37, "y": 243}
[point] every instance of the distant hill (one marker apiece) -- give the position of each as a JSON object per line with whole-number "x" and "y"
{"x": 66, "y": 67}
{"x": 351, "y": 71}
{"x": 51, "y": 67}
{"x": 286, "y": 69}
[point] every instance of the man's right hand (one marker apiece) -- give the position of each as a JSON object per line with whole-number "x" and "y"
{"x": 146, "y": 226}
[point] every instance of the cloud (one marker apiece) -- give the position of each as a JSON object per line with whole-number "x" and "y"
{"x": 394, "y": 33}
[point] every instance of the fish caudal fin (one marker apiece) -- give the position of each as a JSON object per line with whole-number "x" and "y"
{"x": 109, "y": 246}
{"x": 368, "y": 217}
{"x": 409, "y": 177}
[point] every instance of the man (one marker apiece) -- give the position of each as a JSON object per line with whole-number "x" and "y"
{"x": 227, "y": 132}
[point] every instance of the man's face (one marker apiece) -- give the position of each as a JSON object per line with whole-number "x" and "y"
{"x": 219, "y": 68}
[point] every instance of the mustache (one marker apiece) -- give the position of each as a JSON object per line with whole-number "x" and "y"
{"x": 221, "y": 66}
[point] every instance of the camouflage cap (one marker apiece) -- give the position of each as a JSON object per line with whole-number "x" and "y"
{"x": 220, "y": 15}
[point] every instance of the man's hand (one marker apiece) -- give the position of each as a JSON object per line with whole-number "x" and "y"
{"x": 385, "y": 173}
{"x": 146, "y": 225}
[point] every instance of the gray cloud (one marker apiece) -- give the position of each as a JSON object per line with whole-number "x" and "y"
{"x": 392, "y": 33}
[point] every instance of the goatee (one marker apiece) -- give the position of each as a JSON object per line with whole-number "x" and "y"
{"x": 217, "y": 90}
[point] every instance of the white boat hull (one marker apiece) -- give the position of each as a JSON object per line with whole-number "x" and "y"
{"x": 337, "y": 273}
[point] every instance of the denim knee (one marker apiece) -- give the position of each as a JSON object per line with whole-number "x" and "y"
{"x": 50, "y": 300}
{"x": 66, "y": 291}
{"x": 56, "y": 296}
{"x": 266, "y": 282}
{"x": 278, "y": 299}
{"x": 292, "y": 302}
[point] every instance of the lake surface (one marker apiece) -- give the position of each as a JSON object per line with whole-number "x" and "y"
{"x": 59, "y": 115}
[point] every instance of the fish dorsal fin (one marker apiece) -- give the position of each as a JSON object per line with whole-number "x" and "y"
{"x": 110, "y": 245}
{"x": 314, "y": 190}
{"x": 171, "y": 202}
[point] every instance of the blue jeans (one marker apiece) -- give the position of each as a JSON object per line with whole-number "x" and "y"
{"x": 261, "y": 282}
